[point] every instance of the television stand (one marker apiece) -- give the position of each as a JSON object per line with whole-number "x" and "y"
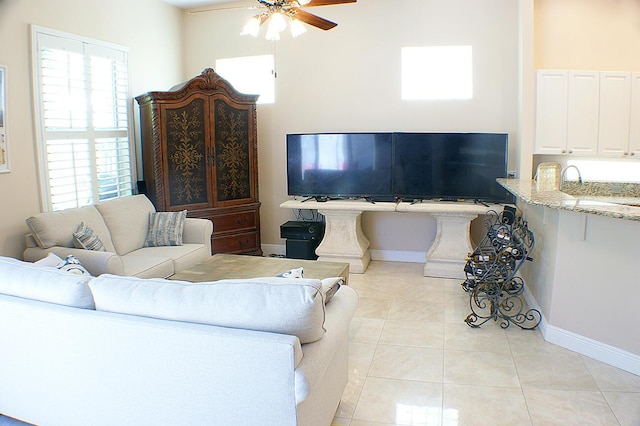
{"x": 344, "y": 240}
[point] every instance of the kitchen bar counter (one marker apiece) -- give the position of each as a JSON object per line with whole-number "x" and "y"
{"x": 615, "y": 206}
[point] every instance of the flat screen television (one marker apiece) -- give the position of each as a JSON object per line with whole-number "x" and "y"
{"x": 340, "y": 165}
{"x": 450, "y": 166}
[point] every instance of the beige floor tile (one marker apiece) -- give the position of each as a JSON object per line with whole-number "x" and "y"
{"x": 554, "y": 371}
{"x": 530, "y": 341}
{"x": 567, "y": 408}
{"x": 625, "y": 406}
{"x": 456, "y": 307}
{"x": 369, "y": 423}
{"x": 481, "y": 405}
{"x": 609, "y": 378}
{"x": 365, "y": 330}
{"x": 400, "y": 402}
{"x": 462, "y": 337}
{"x": 369, "y": 307}
{"x": 339, "y": 421}
{"x": 407, "y": 363}
{"x": 416, "y": 310}
{"x": 480, "y": 368}
{"x": 350, "y": 397}
{"x": 360, "y": 357}
{"x": 372, "y": 287}
{"x": 424, "y": 289}
{"x": 413, "y": 333}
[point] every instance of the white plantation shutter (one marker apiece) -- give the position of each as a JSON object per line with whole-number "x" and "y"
{"x": 82, "y": 97}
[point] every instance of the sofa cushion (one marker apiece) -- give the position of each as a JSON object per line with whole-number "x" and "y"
{"x": 147, "y": 266}
{"x": 165, "y": 229}
{"x": 183, "y": 256}
{"x": 56, "y": 228}
{"x": 278, "y": 305}
{"x": 128, "y": 220}
{"x": 43, "y": 283}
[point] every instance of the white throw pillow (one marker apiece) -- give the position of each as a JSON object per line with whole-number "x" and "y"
{"x": 278, "y": 305}
{"x": 43, "y": 283}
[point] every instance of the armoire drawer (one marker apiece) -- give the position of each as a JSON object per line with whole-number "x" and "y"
{"x": 246, "y": 242}
{"x": 234, "y": 222}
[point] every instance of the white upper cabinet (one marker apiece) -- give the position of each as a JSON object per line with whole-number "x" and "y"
{"x": 615, "y": 113}
{"x": 582, "y": 113}
{"x": 551, "y": 112}
{"x": 634, "y": 130}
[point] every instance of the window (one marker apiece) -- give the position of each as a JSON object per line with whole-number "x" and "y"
{"x": 437, "y": 72}
{"x": 82, "y": 119}
{"x": 251, "y": 75}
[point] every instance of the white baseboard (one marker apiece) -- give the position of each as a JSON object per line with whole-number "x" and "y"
{"x": 398, "y": 256}
{"x": 584, "y": 345}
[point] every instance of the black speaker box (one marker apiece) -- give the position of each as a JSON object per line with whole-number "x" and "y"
{"x": 302, "y": 249}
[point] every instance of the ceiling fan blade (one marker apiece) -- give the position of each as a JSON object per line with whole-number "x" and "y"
{"x": 313, "y": 3}
{"x": 313, "y": 20}
{"x": 230, "y": 5}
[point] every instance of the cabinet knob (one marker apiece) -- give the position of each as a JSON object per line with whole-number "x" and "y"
{"x": 563, "y": 151}
{"x": 570, "y": 151}
{"x": 633, "y": 153}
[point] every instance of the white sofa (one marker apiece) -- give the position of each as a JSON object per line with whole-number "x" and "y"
{"x": 69, "y": 355}
{"x": 121, "y": 224}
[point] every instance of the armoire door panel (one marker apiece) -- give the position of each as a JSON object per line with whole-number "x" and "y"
{"x": 186, "y": 177}
{"x": 232, "y": 172}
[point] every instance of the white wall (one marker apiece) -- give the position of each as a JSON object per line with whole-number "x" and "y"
{"x": 348, "y": 79}
{"x": 150, "y": 28}
{"x": 587, "y": 34}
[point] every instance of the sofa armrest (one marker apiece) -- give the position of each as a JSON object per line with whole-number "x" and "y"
{"x": 96, "y": 262}
{"x": 197, "y": 231}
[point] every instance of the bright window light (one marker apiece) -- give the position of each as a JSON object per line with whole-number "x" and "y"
{"x": 606, "y": 171}
{"x": 251, "y": 75}
{"x": 437, "y": 72}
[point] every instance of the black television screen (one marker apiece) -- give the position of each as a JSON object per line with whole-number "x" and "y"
{"x": 450, "y": 166}
{"x": 340, "y": 165}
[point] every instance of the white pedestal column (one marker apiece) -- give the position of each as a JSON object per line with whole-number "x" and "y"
{"x": 344, "y": 240}
{"x": 446, "y": 257}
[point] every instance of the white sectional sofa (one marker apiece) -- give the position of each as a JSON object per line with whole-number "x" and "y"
{"x": 114, "y": 350}
{"x": 121, "y": 225}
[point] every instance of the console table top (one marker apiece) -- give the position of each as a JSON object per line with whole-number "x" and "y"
{"x": 427, "y": 206}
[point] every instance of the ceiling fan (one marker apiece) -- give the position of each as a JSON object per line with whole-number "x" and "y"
{"x": 277, "y": 13}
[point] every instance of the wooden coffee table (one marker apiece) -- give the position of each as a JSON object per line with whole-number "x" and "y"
{"x": 228, "y": 266}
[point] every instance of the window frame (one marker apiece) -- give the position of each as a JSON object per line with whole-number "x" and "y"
{"x": 91, "y": 133}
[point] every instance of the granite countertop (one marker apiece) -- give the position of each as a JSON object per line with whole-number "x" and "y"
{"x": 620, "y": 201}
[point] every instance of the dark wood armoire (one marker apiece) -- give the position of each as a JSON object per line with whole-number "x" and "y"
{"x": 199, "y": 151}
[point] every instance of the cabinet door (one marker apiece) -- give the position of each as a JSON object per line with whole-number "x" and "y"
{"x": 184, "y": 126}
{"x": 234, "y": 153}
{"x": 551, "y": 112}
{"x": 582, "y": 113}
{"x": 615, "y": 107}
{"x": 634, "y": 131}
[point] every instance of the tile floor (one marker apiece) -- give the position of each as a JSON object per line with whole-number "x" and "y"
{"x": 413, "y": 361}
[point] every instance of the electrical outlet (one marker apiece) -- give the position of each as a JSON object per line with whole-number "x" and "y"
{"x": 512, "y": 174}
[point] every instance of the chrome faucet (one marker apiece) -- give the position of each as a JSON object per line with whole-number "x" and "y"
{"x": 564, "y": 171}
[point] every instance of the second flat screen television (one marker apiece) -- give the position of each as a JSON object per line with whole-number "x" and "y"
{"x": 406, "y": 166}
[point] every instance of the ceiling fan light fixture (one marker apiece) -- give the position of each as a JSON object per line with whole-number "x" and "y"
{"x": 277, "y": 22}
{"x": 303, "y": 2}
{"x": 252, "y": 27}
{"x": 297, "y": 28}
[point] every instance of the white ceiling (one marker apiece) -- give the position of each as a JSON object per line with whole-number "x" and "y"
{"x": 188, "y": 4}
